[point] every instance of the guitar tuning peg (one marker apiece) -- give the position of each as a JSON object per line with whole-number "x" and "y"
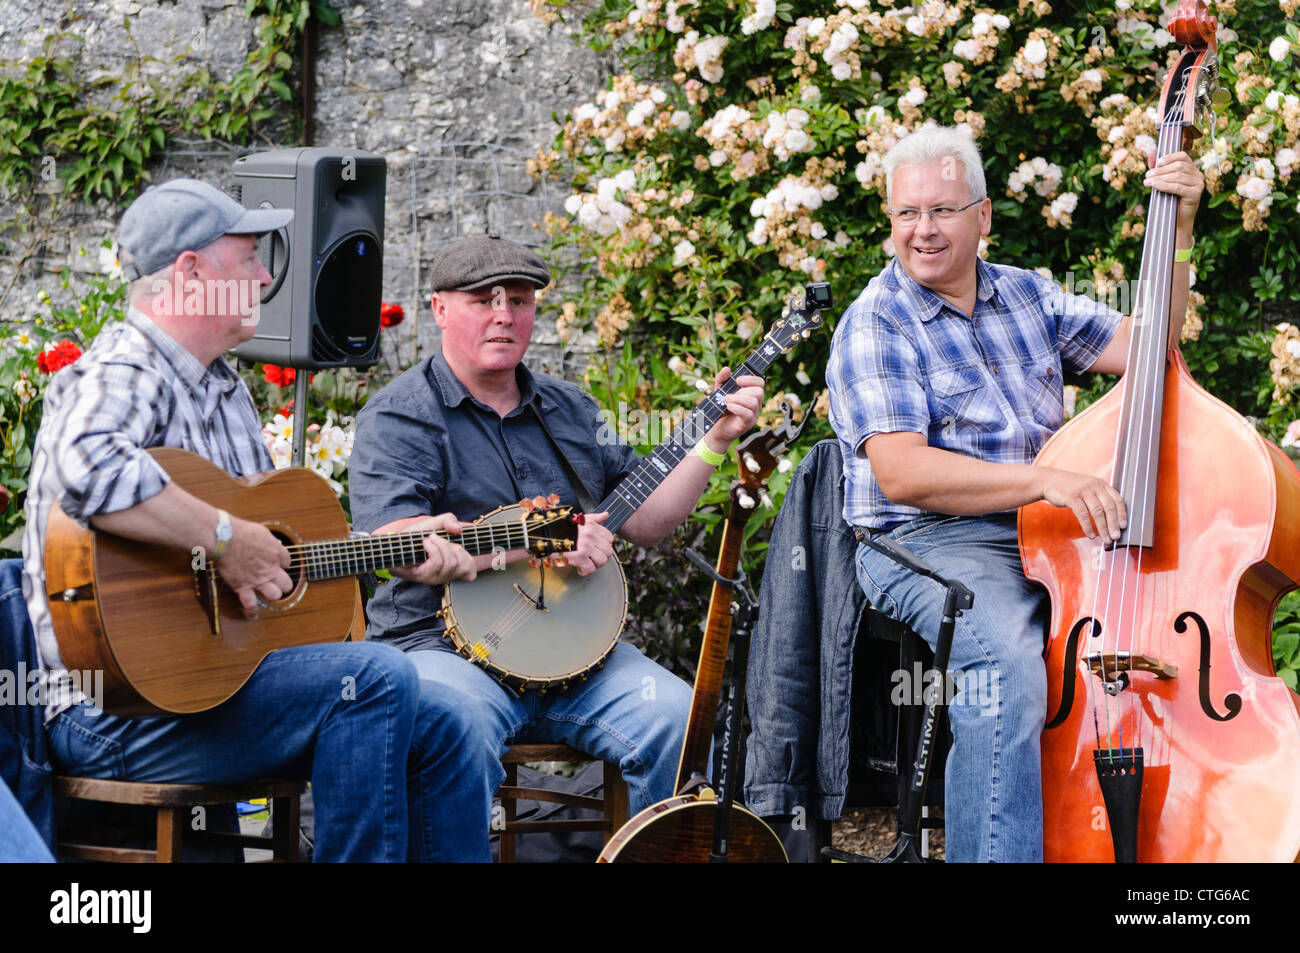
{"x": 750, "y": 463}
{"x": 534, "y": 562}
{"x": 553, "y": 499}
{"x": 526, "y": 505}
{"x": 539, "y": 502}
{"x": 746, "y": 501}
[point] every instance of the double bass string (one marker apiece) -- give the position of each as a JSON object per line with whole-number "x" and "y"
{"x": 1162, "y": 219}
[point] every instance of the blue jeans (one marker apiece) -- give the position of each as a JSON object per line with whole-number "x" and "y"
{"x": 993, "y": 808}
{"x": 19, "y": 841}
{"x": 631, "y": 712}
{"x": 385, "y": 754}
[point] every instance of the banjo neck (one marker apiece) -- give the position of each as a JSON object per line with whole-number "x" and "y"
{"x": 332, "y": 558}
{"x": 801, "y": 316}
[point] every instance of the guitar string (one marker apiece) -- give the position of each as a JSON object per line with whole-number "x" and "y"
{"x": 346, "y": 554}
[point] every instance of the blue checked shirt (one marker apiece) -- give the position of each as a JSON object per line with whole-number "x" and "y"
{"x": 987, "y": 386}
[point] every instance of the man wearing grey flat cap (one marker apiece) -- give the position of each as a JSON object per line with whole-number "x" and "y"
{"x": 470, "y": 429}
{"x": 377, "y": 744}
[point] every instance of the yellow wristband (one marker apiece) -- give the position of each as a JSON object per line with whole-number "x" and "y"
{"x": 1184, "y": 254}
{"x": 708, "y": 456}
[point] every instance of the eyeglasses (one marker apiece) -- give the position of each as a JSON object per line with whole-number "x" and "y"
{"x": 940, "y": 216}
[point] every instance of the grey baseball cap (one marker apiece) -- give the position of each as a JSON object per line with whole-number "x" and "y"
{"x": 482, "y": 260}
{"x": 186, "y": 215}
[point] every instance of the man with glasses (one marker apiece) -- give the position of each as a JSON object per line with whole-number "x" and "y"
{"x": 945, "y": 382}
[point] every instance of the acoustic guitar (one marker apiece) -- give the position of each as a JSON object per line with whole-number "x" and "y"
{"x": 540, "y": 626}
{"x": 681, "y": 829}
{"x": 171, "y": 637}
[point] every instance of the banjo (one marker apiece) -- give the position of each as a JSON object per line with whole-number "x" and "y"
{"x": 535, "y": 625}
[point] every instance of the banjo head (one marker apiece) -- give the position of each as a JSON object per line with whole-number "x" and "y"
{"x": 494, "y": 621}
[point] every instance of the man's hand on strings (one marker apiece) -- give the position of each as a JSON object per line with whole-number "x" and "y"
{"x": 595, "y": 545}
{"x": 1178, "y": 175}
{"x": 446, "y": 560}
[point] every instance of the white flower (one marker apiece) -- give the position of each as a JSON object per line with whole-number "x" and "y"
{"x": 108, "y": 263}
{"x": 1286, "y": 160}
{"x": 23, "y": 340}
{"x": 681, "y": 119}
{"x": 829, "y": 193}
{"x": 1035, "y": 51}
{"x": 1001, "y": 22}
{"x": 802, "y": 377}
{"x": 915, "y": 25}
{"x": 841, "y": 70}
{"x": 1272, "y": 101}
{"x": 625, "y": 180}
{"x": 614, "y": 141}
{"x": 1091, "y": 76}
{"x": 810, "y": 94}
{"x": 682, "y": 253}
{"x": 966, "y": 49}
{"x": 676, "y": 364}
{"x": 24, "y": 389}
{"x": 915, "y": 96}
{"x": 816, "y": 25}
{"x": 796, "y": 140}
{"x": 1253, "y": 187}
{"x": 573, "y": 203}
{"x": 818, "y": 231}
{"x": 1279, "y": 49}
{"x": 717, "y": 157}
{"x": 675, "y": 23}
{"x": 1293, "y": 348}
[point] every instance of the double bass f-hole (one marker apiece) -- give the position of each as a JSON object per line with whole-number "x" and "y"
{"x": 1113, "y": 669}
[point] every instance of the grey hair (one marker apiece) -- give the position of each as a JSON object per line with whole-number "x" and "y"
{"x": 931, "y": 144}
{"x": 146, "y": 285}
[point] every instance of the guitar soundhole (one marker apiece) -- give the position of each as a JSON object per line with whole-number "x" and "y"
{"x": 297, "y": 570}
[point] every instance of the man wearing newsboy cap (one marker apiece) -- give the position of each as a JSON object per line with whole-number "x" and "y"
{"x": 352, "y": 718}
{"x": 462, "y": 433}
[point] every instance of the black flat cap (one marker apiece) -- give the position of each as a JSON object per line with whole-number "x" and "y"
{"x": 482, "y": 260}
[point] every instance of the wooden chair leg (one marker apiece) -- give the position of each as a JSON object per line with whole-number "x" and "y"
{"x": 284, "y": 816}
{"x": 506, "y": 843}
{"x": 615, "y": 799}
{"x": 171, "y": 823}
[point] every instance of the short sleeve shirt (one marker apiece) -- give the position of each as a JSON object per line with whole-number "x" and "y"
{"x": 424, "y": 445}
{"x": 987, "y": 385}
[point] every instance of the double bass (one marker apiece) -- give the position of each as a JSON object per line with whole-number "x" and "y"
{"x": 1168, "y": 735}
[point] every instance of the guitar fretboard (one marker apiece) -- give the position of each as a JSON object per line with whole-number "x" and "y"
{"x": 329, "y": 559}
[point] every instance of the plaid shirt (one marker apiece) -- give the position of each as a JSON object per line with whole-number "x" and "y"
{"x": 135, "y": 388}
{"x": 986, "y": 385}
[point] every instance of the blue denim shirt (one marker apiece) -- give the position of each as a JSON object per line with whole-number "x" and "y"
{"x": 801, "y": 652}
{"x": 424, "y": 446}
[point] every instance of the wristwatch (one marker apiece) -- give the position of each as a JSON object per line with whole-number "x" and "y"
{"x": 225, "y": 532}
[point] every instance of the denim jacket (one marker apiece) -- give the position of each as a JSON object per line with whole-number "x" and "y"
{"x": 801, "y": 654}
{"x": 24, "y": 758}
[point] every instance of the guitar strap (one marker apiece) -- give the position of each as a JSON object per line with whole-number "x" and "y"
{"x": 586, "y": 499}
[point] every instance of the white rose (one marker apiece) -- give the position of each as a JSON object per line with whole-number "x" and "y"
{"x": 681, "y": 119}
{"x": 588, "y": 215}
{"x": 817, "y": 231}
{"x": 829, "y": 193}
{"x": 816, "y": 25}
{"x": 1280, "y": 48}
{"x": 915, "y": 25}
{"x": 682, "y": 252}
{"x": 717, "y": 157}
{"x": 841, "y": 70}
{"x": 573, "y": 203}
{"x": 810, "y": 94}
{"x": 1035, "y": 51}
{"x": 796, "y": 140}
{"x": 1092, "y": 76}
{"x": 1272, "y": 101}
{"x": 915, "y": 96}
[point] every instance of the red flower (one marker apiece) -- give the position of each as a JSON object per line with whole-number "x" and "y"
{"x": 57, "y": 357}
{"x": 277, "y": 375}
{"x": 390, "y": 315}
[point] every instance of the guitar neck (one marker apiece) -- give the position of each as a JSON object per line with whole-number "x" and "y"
{"x": 652, "y": 470}
{"x": 329, "y": 559}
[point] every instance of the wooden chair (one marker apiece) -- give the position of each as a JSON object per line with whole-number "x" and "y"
{"x": 174, "y": 805}
{"x": 612, "y": 807}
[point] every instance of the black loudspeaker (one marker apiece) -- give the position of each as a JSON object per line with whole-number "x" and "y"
{"x": 322, "y": 306}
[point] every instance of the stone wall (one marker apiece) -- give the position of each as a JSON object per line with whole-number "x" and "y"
{"x": 456, "y": 94}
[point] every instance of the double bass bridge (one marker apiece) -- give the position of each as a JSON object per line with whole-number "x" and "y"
{"x": 1113, "y": 668}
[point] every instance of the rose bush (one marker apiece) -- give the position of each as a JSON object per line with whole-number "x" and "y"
{"x": 737, "y": 155}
